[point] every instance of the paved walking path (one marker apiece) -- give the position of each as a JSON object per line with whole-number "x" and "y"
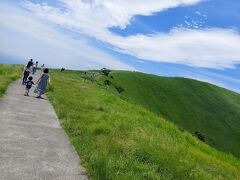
{"x": 32, "y": 143}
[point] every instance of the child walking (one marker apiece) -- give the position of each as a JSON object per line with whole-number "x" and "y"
{"x": 29, "y": 84}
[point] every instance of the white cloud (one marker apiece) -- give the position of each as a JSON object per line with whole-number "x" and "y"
{"x": 198, "y": 13}
{"x": 214, "y": 48}
{"x": 24, "y": 36}
{"x": 105, "y": 13}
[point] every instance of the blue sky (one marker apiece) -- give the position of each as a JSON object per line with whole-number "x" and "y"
{"x": 197, "y": 39}
{"x": 213, "y": 13}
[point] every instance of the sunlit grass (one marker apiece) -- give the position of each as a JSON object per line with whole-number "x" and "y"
{"x": 192, "y": 105}
{"x": 116, "y": 139}
{"x": 8, "y": 74}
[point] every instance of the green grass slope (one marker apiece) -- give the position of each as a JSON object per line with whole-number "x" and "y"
{"x": 192, "y": 105}
{"x": 119, "y": 140}
{"x": 8, "y": 74}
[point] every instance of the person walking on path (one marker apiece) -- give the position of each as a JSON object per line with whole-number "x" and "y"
{"x": 33, "y": 69}
{"x": 30, "y": 63}
{"x": 42, "y": 83}
{"x": 29, "y": 84}
{"x": 26, "y": 72}
{"x": 35, "y": 65}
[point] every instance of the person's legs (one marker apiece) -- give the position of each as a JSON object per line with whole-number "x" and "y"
{"x": 34, "y": 70}
{"x": 26, "y": 92}
{"x": 24, "y": 77}
{"x": 26, "y": 74}
{"x": 39, "y": 95}
{"x": 23, "y": 80}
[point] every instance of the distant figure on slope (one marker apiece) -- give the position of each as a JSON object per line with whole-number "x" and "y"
{"x": 42, "y": 83}
{"x": 29, "y": 84}
{"x": 26, "y": 72}
{"x": 63, "y": 69}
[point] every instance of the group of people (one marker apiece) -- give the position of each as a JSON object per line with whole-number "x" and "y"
{"x": 41, "y": 83}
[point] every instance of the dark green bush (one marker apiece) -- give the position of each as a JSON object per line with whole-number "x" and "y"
{"x": 105, "y": 71}
{"x": 200, "y": 136}
{"x": 119, "y": 89}
{"x": 107, "y": 83}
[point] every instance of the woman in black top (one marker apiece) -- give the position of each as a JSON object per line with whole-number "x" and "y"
{"x": 27, "y": 70}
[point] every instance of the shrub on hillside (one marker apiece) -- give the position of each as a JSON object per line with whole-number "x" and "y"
{"x": 107, "y": 83}
{"x": 200, "y": 136}
{"x": 119, "y": 89}
{"x": 105, "y": 71}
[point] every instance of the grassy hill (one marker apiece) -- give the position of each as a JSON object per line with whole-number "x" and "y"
{"x": 117, "y": 139}
{"x": 8, "y": 73}
{"x": 193, "y": 105}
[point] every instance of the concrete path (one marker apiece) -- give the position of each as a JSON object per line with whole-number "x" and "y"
{"x": 32, "y": 143}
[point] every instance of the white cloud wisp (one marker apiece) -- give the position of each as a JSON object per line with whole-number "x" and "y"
{"x": 25, "y": 36}
{"x": 210, "y": 48}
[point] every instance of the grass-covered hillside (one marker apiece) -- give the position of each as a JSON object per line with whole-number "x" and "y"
{"x": 8, "y": 73}
{"x": 120, "y": 140}
{"x": 193, "y": 105}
